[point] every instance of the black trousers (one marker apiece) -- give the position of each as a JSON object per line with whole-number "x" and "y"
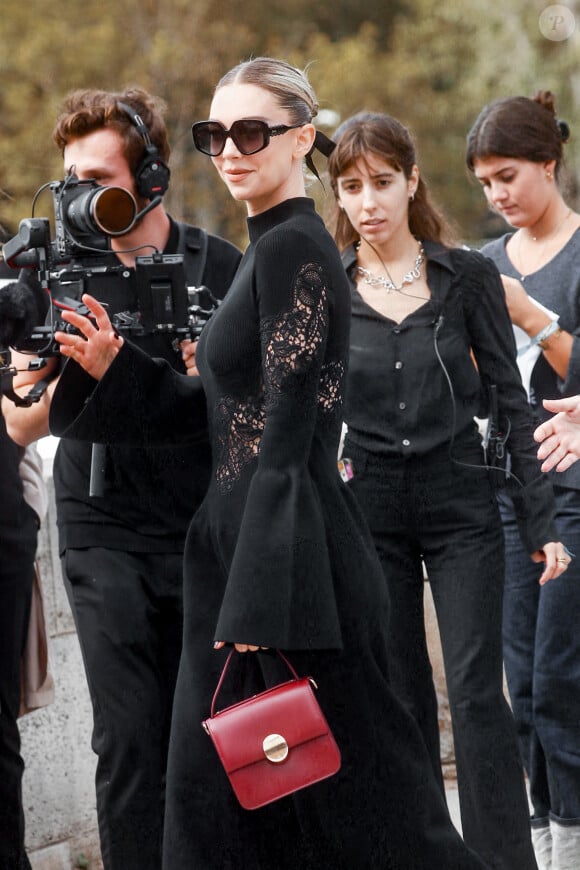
{"x": 16, "y": 574}
{"x": 446, "y": 515}
{"x": 128, "y": 612}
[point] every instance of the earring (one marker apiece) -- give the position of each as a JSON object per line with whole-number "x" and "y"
{"x": 548, "y": 174}
{"x": 411, "y": 197}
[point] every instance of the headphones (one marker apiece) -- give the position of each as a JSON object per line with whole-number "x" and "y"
{"x": 152, "y": 173}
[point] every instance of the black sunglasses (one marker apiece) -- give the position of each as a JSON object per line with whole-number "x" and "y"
{"x": 248, "y": 135}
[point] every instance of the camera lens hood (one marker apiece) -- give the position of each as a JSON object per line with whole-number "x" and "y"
{"x": 109, "y": 210}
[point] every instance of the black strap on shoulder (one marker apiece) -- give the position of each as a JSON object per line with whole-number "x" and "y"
{"x": 192, "y": 244}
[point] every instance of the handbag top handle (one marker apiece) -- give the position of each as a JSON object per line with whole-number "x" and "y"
{"x": 223, "y": 673}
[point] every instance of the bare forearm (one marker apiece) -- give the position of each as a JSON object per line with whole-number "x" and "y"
{"x": 25, "y": 425}
{"x": 557, "y": 351}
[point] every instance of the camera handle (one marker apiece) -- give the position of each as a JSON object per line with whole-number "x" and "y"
{"x": 7, "y": 374}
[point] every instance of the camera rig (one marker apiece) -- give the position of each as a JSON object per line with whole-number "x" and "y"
{"x": 78, "y": 260}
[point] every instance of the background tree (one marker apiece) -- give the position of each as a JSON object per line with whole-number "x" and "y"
{"x": 431, "y": 64}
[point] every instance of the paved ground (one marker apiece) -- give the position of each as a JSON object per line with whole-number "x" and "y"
{"x": 453, "y": 804}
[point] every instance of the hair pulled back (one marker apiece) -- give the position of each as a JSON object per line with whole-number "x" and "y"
{"x": 289, "y": 85}
{"x": 292, "y": 91}
{"x": 520, "y": 127}
{"x": 381, "y": 135}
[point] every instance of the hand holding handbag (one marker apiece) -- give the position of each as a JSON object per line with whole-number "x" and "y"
{"x": 273, "y": 743}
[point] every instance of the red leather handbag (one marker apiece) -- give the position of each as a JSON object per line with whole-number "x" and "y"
{"x": 273, "y": 743}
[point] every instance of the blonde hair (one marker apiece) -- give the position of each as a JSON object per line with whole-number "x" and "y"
{"x": 289, "y": 85}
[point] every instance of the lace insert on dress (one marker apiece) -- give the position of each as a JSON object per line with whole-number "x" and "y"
{"x": 291, "y": 343}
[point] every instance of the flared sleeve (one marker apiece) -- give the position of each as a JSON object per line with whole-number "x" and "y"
{"x": 280, "y": 583}
{"x": 140, "y": 401}
{"x": 493, "y": 344}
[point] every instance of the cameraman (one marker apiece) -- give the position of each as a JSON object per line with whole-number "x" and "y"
{"x": 122, "y": 550}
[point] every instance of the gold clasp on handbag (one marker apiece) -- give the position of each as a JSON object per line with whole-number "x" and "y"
{"x": 275, "y": 748}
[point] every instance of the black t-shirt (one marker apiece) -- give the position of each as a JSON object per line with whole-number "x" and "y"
{"x": 149, "y": 494}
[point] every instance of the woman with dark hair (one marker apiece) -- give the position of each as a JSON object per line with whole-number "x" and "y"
{"x": 278, "y": 555}
{"x": 431, "y": 343}
{"x": 515, "y": 150}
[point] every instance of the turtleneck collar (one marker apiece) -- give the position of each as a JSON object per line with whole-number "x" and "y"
{"x": 260, "y": 223}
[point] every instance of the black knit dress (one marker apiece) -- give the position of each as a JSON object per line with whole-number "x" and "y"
{"x": 278, "y": 555}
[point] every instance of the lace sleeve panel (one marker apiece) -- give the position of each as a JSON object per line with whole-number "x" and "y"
{"x": 294, "y": 345}
{"x": 293, "y": 341}
{"x": 298, "y": 382}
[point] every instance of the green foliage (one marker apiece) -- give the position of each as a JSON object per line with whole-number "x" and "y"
{"x": 443, "y": 63}
{"x": 433, "y": 65}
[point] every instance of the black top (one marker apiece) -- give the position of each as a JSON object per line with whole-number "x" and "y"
{"x": 413, "y": 387}
{"x": 149, "y": 495}
{"x": 278, "y": 520}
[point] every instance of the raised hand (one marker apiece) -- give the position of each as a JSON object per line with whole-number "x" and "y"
{"x": 559, "y": 437}
{"x": 98, "y": 343}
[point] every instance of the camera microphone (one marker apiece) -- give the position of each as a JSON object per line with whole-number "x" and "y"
{"x": 140, "y": 215}
{"x": 20, "y": 309}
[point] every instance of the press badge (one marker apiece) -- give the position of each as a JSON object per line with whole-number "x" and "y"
{"x": 345, "y": 469}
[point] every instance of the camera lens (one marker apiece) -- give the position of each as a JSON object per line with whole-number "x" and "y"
{"x": 108, "y": 210}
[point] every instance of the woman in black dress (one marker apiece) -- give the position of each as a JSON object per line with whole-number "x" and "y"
{"x": 278, "y": 555}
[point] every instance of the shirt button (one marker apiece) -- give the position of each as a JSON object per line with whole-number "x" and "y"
{"x": 398, "y": 364}
{"x": 396, "y": 331}
{"x": 402, "y": 405}
{"x": 406, "y": 442}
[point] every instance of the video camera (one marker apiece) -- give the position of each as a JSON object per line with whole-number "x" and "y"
{"x": 78, "y": 261}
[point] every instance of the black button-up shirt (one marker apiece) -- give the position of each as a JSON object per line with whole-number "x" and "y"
{"x": 413, "y": 386}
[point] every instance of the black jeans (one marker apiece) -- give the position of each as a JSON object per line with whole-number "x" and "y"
{"x": 128, "y": 612}
{"x": 431, "y": 509}
{"x": 16, "y": 574}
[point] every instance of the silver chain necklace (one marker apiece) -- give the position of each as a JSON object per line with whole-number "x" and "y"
{"x": 388, "y": 283}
